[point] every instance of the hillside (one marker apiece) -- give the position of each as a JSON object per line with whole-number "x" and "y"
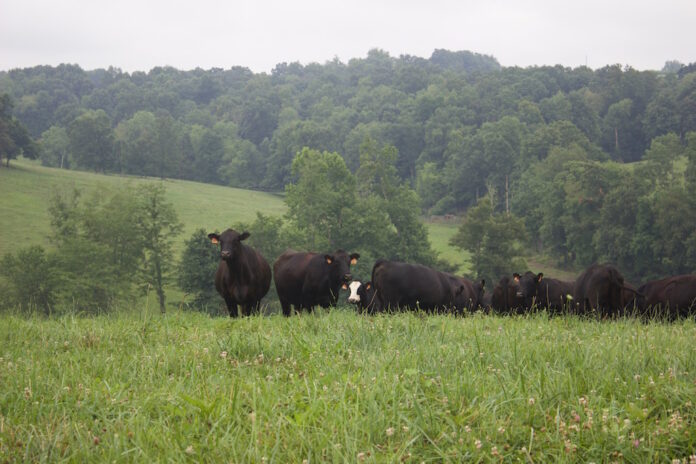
{"x": 26, "y": 189}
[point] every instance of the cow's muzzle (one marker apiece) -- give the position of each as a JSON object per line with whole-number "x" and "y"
{"x": 225, "y": 254}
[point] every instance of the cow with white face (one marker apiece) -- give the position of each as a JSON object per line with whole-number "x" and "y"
{"x": 362, "y": 295}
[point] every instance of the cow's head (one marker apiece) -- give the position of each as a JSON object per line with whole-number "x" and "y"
{"x": 354, "y": 297}
{"x": 529, "y": 288}
{"x": 339, "y": 267}
{"x": 362, "y": 295}
{"x": 230, "y": 243}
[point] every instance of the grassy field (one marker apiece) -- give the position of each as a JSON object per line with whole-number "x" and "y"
{"x": 339, "y": 387}
{"x": 27, "y": 187}
{"x": 440, "y": 234}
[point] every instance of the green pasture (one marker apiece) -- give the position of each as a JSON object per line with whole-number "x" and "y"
{"x": 139, "y": 387}
{"x": 26, "y": 189}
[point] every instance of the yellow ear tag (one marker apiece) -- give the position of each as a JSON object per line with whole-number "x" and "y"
{"x": 344, "y": 287}
{"x": 353, "y": 261}
{"x": 329, "y": 261}
{"x": 214, "y": 240}
{"x": 369, "y": 286}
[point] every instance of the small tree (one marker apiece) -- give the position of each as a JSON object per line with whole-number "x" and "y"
{"x": 31, "y": 280}
{"x": 157, "y": 224}
{"x": 492, "y": 239}
{"x": 316, "y": 201}
{"x": 98, "y": 248}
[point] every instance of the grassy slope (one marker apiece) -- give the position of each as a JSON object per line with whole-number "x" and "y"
{"x": 343, "y": 388}
{"x": 26, "y": 188}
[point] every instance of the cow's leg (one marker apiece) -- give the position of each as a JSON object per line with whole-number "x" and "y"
{"x": 231, "y": 306}
{"x": 287, "y": 308}
{"x": 246, "y": 309}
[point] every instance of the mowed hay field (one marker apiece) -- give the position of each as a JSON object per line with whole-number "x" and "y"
{"x": 344, "y": 388}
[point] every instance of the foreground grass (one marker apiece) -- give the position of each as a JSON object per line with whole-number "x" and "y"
{"x": 339, "y": 387}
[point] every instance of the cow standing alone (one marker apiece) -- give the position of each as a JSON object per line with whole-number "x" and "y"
{"x": 243, "y": 276}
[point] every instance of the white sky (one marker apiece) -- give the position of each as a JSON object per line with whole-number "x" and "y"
{"x": 137, "y": 35}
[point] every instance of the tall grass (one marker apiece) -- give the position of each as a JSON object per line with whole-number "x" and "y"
{"x": 339, "y": 387}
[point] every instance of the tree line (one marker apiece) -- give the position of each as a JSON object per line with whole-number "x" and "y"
{"x": 560, "y": 148}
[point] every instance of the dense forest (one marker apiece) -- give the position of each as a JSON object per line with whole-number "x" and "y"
{"x": 599, "y": 164}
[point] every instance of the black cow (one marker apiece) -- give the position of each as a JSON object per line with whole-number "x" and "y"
{"x": 600, "y": 288}
{"x": 543, "y": 292}
{"x": 414, "y": 286}
{"x": 243, "y": 275}
{"x": 363, "y": 295}
{"x": 507, "y": 295}
{"x": 307, "y": 279}
{"x": 471, "y": 297}
{"x": 676, "y": 295}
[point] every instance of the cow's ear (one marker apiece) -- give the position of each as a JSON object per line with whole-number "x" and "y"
{"x": 244, "y": 236}
{"x": 215, "y": 238}
{"x": 354, "y": 258}
{"x": 329, "y": 259}
{"x": 540, "y": 276}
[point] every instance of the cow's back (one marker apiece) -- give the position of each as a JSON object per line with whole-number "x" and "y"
{"x": 676, "y": 293}
{"x": 411, "y": 285}
{"x": 599, "y": 287}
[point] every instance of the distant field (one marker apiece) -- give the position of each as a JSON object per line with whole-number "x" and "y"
{"x": 440, "y": 234}
{"x": 25, "y": 190}
{"x": 140, "y": 387}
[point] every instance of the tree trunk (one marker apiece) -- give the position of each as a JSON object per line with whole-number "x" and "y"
{"x": 507, "y": 197}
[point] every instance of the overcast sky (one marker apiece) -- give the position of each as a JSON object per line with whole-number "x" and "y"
{"x": 137, "y": 35}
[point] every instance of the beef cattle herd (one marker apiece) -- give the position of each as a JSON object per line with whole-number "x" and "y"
{"x": 304, "y": 280}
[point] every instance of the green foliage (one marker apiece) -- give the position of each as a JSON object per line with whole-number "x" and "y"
{"x": 269, "y": 235}
{"x": 55, "y": 147}
{"x": 14, "y": 137}
{"x": 92, "y": 142}
{"x": 157, "y": 224}
{"x": 461, "y": 126}
{"x": 148, "y": 144}
{"x": 493, "y": 239}
{"x": 324, "y": 188}
{"x": 31, "y": 280}
{"x": 98, "y": 248}
{"x": 196, "y": 272}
